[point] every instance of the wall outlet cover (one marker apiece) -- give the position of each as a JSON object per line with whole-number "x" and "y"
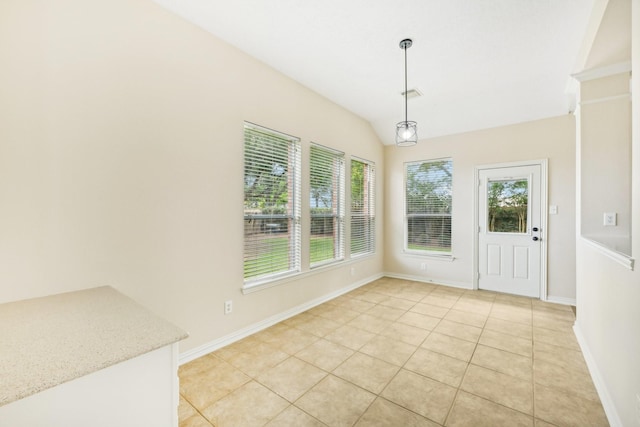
{"x": 610, "y": 219}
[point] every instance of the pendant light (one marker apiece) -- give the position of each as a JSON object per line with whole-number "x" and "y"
{"x": 406, "y": 132}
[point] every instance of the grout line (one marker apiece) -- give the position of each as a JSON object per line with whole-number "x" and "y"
{"x": 456, "y": 297}
{"x": 196, "y": 409}
{"x": 453, "y": 402}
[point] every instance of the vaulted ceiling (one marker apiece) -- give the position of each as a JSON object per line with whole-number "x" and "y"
{"x": 477, "y": 63}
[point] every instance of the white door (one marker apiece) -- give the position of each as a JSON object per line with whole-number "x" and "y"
{"x": 509, "y": 227}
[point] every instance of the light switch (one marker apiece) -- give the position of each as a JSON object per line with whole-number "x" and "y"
{"x": 553, "y": 210}
{"x": 610, "y": 218}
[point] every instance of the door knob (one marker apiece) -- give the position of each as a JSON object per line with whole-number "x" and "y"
{"x": 536, "y": 238}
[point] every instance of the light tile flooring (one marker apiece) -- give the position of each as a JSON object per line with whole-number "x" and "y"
{"x": 400, "y": 353}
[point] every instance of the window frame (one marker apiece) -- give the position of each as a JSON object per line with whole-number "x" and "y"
{"x": 407, "y": 216}
{"x": 369, "y": 212}
{"x": 293, "y": 148}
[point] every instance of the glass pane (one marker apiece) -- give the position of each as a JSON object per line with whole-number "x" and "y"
{"x": 429, "y": 233}
{"x": 326, "y": 198}
{"x": 267, "y": 245}
{"x": 428, "y": 196}
{"x": 507, "y": 202}
{"x": 324, "y": 233}
{"x": 362, "y": 208}
{"x": 429, "y": 187}
{"x": 268, "y": 173}
{"x": 362, "y": 238}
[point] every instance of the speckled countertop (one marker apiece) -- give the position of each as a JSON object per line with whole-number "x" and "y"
{"x": 47, "y": 341}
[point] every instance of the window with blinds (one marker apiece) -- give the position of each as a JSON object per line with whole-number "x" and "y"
{"x": 428, "y": 206}
{"x": 326, "y": 202}
{"x": 271, "y": 204}
{"x": 363, "y": 208}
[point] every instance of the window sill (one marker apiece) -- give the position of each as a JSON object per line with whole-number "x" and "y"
{"x": 270, "y": 283}
{"x": 434, "y": 256}
{"x": 326, "y": 264}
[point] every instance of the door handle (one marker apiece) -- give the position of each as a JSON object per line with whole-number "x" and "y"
{"x": 536, "y": 238}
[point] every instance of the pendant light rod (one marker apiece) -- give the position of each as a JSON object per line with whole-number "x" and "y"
{"x": 405, "y": 44}
{"x": 406, "y": 132}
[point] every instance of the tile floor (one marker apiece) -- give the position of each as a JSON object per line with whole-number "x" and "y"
{"x": 400, "y": 353}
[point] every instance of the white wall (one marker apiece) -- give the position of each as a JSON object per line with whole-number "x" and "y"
{"x": 608, "y": 293}
{"x": 552, "y": 138}
{"x": 121, "y": 163}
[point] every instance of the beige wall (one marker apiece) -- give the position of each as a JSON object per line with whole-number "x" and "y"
{"x": 608, "y": 293}
{"x": 121, "y": 164}
{"x": 121, "y": 161}
{"x": 605, "y": 160}
{"x": 550, "y": 138}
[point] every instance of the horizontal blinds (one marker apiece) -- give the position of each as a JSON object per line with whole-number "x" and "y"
{"x": 428, "y": 198}
{"x": 271, "y": 203}
{"x": 362, "y": 207}
{"x": 326, "y": 201}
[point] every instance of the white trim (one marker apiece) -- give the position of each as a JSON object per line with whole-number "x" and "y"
{"x": 598, "y": 10}
{"x": 544, "y": 216}
{"x": 598, "y": 380}
{"x": 561, "y": 300}
{"x": 626, "y": 96}
{"x": 175, "y": 383}
{"x": 451, "y": 284}
{"x": 324, "y": 147}
{"x": 600, "y": 72}
{"x": 207, "y": 348}
{"x": 361, "y": 160}
{"x": 259, "y": 286}
{"x": 544, "y": 212}
{"x": 618, "y": 257}
{"x": 431, "y": 255}
{"x": 259, "y": 128}
{"x": 572, "y": 86}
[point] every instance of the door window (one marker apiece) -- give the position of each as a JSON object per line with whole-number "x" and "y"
{"x": 507, "y": 205}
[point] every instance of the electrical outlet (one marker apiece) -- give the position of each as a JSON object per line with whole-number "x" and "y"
{"x": 228, "y": 307}
{"x": 423, "y": 266}
{"x": 353, "y": 271}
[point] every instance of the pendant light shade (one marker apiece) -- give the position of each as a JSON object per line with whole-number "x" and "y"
{"x": 406, "y": 131}
{"x": 406, "y": 134}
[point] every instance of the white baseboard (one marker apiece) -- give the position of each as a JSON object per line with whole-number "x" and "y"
{"x": 460, "y": 285}
{"x": 561, "y": 300}
{"x": 207, "y": 348}
{"x": 464, "y": 285}
{"x": 598, "y": 381}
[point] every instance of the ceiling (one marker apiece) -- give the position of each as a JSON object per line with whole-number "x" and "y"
{"x": 477, "y": 63}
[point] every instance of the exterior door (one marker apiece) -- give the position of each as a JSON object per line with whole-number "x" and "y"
{"x": 509, "y": 227}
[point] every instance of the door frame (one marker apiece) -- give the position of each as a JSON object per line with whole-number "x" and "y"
{"x": 544, "y": 183}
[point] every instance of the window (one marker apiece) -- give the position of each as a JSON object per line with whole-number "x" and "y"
{"x": 271, "y": 204}
{"x": 507, "y": 204}
{"x": 363, "y": 208}
{"x": 428, "y": 206}
{"x": 326, "y": 185}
